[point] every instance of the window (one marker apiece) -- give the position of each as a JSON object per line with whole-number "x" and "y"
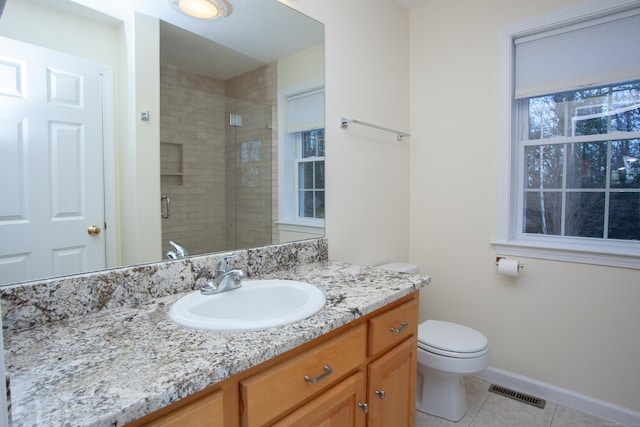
{"x": 569, "y": 166}
{"x": 310, "y": 177}
{"x": 302, "y": 177}
{"x": 579, "y": 163}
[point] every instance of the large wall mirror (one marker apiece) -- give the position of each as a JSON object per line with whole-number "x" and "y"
{"x": 126, "y": 125}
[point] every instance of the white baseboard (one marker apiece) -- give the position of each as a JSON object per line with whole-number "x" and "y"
{"x": 562, "y": 396}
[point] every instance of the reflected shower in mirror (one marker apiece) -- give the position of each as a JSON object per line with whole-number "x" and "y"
{"x": 202, "y": 133}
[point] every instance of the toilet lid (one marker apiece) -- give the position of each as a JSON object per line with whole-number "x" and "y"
{"x": 451, "y": 339}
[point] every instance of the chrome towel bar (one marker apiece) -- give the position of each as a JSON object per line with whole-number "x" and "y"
{"x": 344, "y": 123}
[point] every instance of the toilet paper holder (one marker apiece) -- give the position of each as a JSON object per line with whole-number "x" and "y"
{"x": 520, "y": 264}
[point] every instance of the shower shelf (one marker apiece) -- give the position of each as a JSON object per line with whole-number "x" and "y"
{"x": 171, "y": 165}
{"x": 171, "y": 179}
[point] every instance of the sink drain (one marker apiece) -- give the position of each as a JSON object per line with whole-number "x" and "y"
{"x": 516, "y": 395}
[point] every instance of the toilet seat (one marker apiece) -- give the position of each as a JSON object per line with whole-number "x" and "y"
{"x": 451, "y": 340}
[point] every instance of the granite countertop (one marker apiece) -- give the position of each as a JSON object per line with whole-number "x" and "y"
{"x": 117, "y": 365}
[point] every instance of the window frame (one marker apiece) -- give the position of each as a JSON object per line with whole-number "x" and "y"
{"x": 508, "y": 240}
{"x": 288, "y": 218}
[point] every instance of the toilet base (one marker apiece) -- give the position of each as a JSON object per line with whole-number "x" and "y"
{"x": 441, "y": 394}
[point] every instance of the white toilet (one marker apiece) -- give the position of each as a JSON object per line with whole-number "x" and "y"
{"x": 446, "y": 352}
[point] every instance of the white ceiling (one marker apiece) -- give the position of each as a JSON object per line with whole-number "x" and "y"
{"x": 257, "y": 32}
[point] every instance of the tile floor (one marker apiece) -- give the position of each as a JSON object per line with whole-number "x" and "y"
{"x": 485, "y": 409}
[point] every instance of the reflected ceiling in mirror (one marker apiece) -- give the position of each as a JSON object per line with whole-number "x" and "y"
{"x": 256, "y": 35}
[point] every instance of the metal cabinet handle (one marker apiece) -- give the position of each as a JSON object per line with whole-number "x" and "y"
{"x": 381, "y": 394}
{"x": 364, "y": 407}
{"x": 403, "y": 326}
{"x": 327, "y": 372}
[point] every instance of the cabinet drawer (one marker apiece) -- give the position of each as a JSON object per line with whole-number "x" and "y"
{"x": 269, "y": 394}
{"x": 392, "y": 327}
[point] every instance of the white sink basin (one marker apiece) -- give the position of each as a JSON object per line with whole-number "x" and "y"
{"x": 258, "y": 304}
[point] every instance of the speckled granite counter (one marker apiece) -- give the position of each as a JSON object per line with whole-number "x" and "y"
{"x": 116, "y": 365}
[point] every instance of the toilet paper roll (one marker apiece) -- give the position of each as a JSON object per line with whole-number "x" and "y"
{"x": 508, "y": 267}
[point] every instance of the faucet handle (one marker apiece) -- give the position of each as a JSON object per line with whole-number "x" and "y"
{"x": 223, "y": 264}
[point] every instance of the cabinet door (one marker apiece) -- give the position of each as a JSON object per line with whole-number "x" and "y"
{"x": 336, "y": 407}
{"x": 204, "y": 412}
{"x": 392, "y": 387}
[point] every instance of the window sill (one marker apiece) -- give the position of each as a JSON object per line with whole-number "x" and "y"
{"x": 613, "y": 255}
{"x": 315, "y": 227}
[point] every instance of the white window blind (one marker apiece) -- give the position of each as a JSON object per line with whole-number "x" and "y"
{"x": 594, "y": 53}
{"x": 305, "y": 112}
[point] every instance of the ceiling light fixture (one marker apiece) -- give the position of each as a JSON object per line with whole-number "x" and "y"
{"x": 202, "y": 9}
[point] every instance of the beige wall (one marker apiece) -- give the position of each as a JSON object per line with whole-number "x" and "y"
{"x": 20, "y": 22}
{"x": 301, "y": 68}
{"x": 367, "y": 171}
{"x": 571, "y": 325}
{"x": 139, "y": 152}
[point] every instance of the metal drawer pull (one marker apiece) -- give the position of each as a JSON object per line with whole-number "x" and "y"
{"x": 364, "y": 407}
{"x": 404, "y": 325}
{"x": 327, "y": 372}
{"x": 381, "y": 394}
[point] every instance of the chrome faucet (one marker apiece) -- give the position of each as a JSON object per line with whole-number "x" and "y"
{"x": 225, "y": 279}
{"x": 179, "y": 251}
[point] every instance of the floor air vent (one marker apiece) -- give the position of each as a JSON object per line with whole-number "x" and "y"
{"x": 516, "y": 395}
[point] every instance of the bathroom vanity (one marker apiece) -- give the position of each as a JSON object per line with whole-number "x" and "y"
{"x": 129, "y": 364}
{"x": 361, "y": 374}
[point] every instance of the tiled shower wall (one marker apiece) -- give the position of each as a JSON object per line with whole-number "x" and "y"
{"x": 218, "y": 201}
{"x": 255, "y": 96}
{"x": 192, "y": 118}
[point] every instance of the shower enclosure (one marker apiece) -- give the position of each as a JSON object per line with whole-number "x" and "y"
{"x": 216, "y": 165}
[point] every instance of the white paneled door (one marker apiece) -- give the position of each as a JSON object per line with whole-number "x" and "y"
{"x": 51, "y": 164}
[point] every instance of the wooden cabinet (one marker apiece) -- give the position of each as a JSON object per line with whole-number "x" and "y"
{"x": 393, "y": 347}
{"x": 392, "y": 387}
{"x": 390, "y": 364}
{"x": 362, "y": 374}
{"x": 206, "y": 411}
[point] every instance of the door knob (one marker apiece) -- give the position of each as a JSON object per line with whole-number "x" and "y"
{"x": 93, "y": 230}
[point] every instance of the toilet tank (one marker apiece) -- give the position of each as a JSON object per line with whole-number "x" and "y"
{"x": 401, "y": 267}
